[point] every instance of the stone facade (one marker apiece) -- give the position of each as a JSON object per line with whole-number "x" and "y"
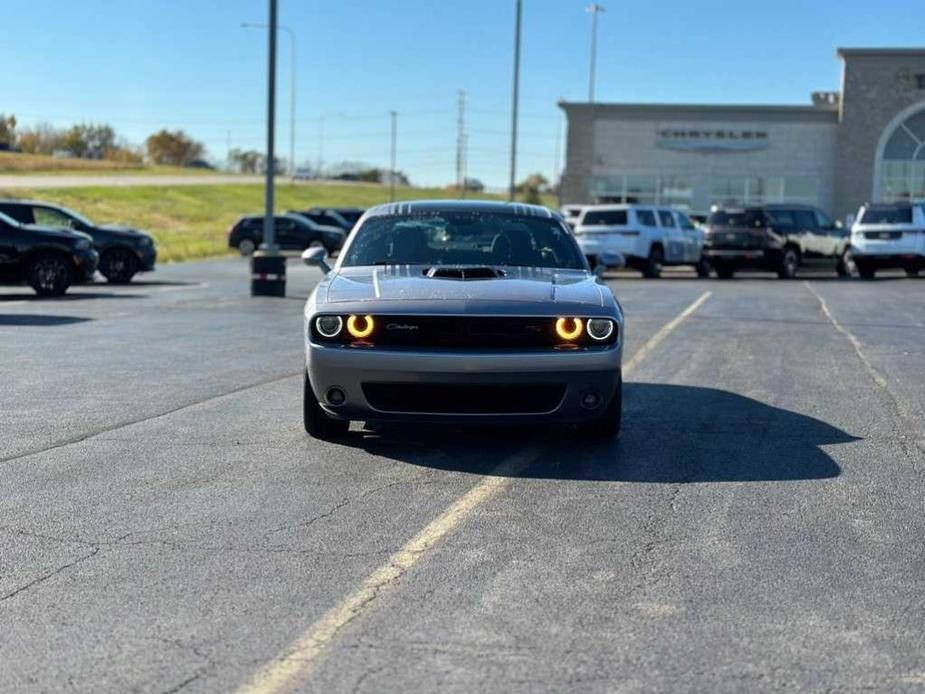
{"x": 878, "y": 86}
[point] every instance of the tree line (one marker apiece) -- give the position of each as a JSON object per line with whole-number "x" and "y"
{"x": 99, "y": 141}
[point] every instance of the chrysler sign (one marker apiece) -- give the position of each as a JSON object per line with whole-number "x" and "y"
{"x": 711, "y": 140}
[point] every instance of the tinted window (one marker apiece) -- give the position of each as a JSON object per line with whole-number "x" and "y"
{"x": 19, "y": 213}
{"x": 741, "y": 218}
{"x": 783, "y": 219}
{"x": 823, "y": 220}
{"x": 463, "y": 238}
{"x": 684, "y": 221}
{"x": 610, "y": 218}
{"x": 646, "y": 217}
{"x": 805, "y": 219}
{"x": 49, "y": 217}
{"x": 666, "y": 218}
{"x": 887, "y": 215}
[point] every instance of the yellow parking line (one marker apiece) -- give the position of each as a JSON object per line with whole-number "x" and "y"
{"x": 297, "y": 661}
{"x": 663, "y": 332}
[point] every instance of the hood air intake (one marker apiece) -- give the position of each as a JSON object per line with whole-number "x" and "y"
{"x": 464, "y": 273}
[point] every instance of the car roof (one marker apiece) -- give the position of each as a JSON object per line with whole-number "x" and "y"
{"x": 485, "y": 206}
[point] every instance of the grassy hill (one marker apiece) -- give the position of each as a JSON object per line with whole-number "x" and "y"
{"x": 192, "y": 221}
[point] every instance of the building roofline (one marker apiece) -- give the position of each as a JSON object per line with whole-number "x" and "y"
{"x": 877, "y": 52}
{"x": 705, "y": 108}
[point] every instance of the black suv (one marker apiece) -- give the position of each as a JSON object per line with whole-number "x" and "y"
{"x": 49, "y": 259}
{"x": 779, "y": 238}
{"x": 293, "y": 232}
{"x": 123, "y": 251}
{"x": 330, "y": 216}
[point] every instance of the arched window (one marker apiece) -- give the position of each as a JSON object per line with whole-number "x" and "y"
{"x": 902, "y": 169}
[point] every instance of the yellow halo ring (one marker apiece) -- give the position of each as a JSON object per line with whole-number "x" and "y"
{"x": 367, "y": 330}
{"x": 563, "y": 332}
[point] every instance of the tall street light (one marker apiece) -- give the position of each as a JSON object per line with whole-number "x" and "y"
{"x": 515, "y": 99}
{"x": 595, "y": 10}
{"x": 280, "y": 27}
{"x": 268, "y": 265}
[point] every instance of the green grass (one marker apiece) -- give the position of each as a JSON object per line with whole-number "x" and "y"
{"x": 192, "y": 222}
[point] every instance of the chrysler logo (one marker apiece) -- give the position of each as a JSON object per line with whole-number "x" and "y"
{"x": 402, "y": 326}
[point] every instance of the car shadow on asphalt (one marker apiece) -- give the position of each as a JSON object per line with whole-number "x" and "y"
{"x": 38, "y": 320}
{"x": 671, "y": 434}
{"x": 75, "y": 296}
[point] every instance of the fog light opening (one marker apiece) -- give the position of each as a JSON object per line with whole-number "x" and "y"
{"x": 590, "y": 400}
{"x": 335, "y": 396}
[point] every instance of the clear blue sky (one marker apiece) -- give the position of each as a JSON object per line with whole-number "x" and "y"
{"x": 141, "y": 65}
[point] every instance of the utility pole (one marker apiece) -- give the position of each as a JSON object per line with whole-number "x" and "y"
{"x": 515, "y": 98}
{"x": 394, "y": 117}
{"x": 268, "y": 265}
{"x": 320, "y": 146}
{"x": 460, "y": 144}
{"x": 595, "y": 10}
{"x": 556, "y": 179}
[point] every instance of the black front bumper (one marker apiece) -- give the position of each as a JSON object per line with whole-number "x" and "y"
{"x": 756, "y": 258}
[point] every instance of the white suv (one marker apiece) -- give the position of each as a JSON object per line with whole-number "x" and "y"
{"x": 889, "y": 236}
{"x": 648, "y": 237}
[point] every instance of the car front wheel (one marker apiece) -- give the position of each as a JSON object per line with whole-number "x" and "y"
{"x": 317, "y": 422}
{"x": 247, "y": 246}
{"x": 703, "y": 269}
{"x": 845, "y": 262}
{"x": 50, "y": 275}
{"x": 789, "y": 263}
{"x": 119, "y": 266}
{"x": 865, "y": 270}
{"x": 654, "y": 263}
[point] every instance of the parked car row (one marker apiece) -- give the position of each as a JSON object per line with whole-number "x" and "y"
{"x": 778, "y": 238}
{"x": 297, "y": 230}
{"x": 52, "y": 247}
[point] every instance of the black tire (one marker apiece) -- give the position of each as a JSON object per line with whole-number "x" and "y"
{"x": 703, "y": 269}
{"x": 789, "y": 263}
{"x": 654, "y": 263}
{"x": 866, "y": 271}
{"x": 912, "y": 272}
{"x": 247, "y": 246}
{"x": 724, "y": 272}
{"x": 119, "y": 265}
{"x": 50, "y": 274}
{"x": 843, "y": 267}
{"x": 608, "y": 424}
{"x": 317, "y": 422}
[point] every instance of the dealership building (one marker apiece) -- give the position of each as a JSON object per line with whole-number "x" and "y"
{"x": 863, "y": 143}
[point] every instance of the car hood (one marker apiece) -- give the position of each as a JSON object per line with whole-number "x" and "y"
{"x": 121, "y": 231}
{"x": 57, "y": 232}
{"x": 551, "y": 286}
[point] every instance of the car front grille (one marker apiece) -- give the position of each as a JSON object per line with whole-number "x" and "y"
{"x": 455, "y": 398}
{"x": 466, "y": 332}
{"x": 883, "y": 235}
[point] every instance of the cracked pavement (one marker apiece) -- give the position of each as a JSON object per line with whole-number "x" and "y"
{"x": 166, "y": 526}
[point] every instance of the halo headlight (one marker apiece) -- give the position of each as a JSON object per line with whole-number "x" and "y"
{"x": 600, "y": 328}
{"x": 569, "y": 329}
{"x": 360, "y": 327}
{"x": 329, "y": 326}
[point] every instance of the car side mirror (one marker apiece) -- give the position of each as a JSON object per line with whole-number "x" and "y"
{"x": 608, "y": 260}
{"x": 316, "y": 257}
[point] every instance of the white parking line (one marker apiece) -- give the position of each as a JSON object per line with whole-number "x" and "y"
{"x": 297, "y": 661}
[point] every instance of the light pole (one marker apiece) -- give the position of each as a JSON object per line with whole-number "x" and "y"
{"x": 280, "y": 27}
{"x": 595, "y": 10}
{"x": 514, "y": 99}
{"x": 394, "y": 117}
{"x": 268, "y": 265}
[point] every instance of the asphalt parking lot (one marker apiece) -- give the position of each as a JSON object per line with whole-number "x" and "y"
{"x": 166, "y": 525}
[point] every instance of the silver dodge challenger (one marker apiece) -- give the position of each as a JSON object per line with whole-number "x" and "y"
{"x": 462, "y": 311}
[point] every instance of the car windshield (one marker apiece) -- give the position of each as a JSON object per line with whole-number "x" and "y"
{"x": 741, "y": 218}
{"x": 887, "y": 215}
{"x": 464, "y": 238}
